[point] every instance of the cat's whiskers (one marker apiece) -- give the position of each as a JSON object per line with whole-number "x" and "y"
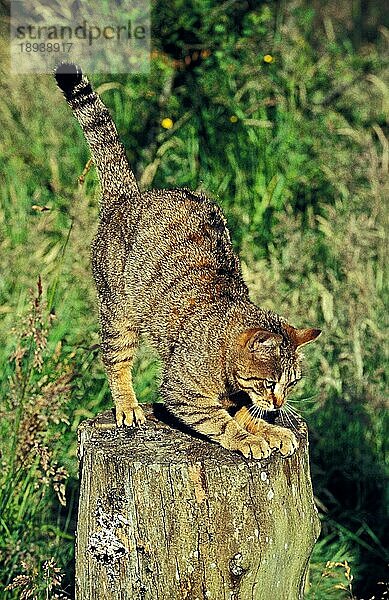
{"x": 291, "y": 409}
{"x": 258, "y": 412}
{"x": 293, "y": 418}
{"x": 282, "y": 416}
{"x": 247, "y": 419}
{"x": 299, "y": 400}
{"x": 288, "y": 421}
{"x": 288, "y": 412}
{"x": 255, "y": 412}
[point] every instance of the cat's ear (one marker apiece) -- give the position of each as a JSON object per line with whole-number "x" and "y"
{"x": 300, "y": 337}
{"x": 256, "y": 340}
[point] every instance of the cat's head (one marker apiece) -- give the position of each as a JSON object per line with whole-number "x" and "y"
{"x": 268, "y": 364}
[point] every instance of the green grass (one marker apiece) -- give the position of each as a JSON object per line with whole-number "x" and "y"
{"x": 300, "y": 170}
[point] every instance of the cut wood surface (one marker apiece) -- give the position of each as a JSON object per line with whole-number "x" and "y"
{"x": 166, "y": 515}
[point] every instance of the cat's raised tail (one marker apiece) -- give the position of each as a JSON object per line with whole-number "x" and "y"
{"x": 116, "y": 177}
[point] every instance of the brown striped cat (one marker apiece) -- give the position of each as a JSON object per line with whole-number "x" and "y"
{"x": 164, "y": 267}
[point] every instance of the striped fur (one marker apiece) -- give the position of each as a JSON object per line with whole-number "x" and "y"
{"x": 165, "y": 268}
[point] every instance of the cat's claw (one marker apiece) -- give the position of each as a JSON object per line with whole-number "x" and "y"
{"x": 282, "y": 439}
{"x": 135, "y": 417}
{"x": 254, "y": 447}
{"x": 131, "y": 416}
{"x": 272, "y": 439}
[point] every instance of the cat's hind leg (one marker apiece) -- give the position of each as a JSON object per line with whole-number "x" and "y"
{"x": 119, "y": 342}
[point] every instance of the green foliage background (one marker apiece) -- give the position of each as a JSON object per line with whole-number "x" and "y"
{"x": 295, "y": 150}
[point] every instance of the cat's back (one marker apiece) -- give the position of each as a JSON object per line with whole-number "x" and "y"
{"x": 179, "y": 229}
{"x": 180, "y": 210}
{"x": 181, "y": 258}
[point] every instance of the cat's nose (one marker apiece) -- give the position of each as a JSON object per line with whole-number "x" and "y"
{"x": 278, "y": 396}
{"x": 278, "y": 400}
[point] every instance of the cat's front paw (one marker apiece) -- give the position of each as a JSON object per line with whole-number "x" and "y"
{"x": 252, "y": 446}
{"x": 129, "y": 415}
{"x": 280, "y": 438}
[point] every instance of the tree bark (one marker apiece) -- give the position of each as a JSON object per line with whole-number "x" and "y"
{"x": 166, "y": 515}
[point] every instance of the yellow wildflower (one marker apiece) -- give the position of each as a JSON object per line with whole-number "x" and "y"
{"x": 233, "y": 119}
{"x": 268, "y": 58}
{"x": 167, "y": 123}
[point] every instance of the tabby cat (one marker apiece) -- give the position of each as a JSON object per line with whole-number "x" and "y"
{"x": 164, "y": 267}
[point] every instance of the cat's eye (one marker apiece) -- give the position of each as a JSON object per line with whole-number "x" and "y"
{"x": 269, "y": 385}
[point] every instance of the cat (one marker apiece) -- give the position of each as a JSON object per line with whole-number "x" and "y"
{"x": 164, "y": 267}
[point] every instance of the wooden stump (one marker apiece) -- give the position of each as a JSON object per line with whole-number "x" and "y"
{"x": 165, "y": 515}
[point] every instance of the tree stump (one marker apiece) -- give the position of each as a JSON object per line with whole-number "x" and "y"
{"x": 166, "y": 515}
